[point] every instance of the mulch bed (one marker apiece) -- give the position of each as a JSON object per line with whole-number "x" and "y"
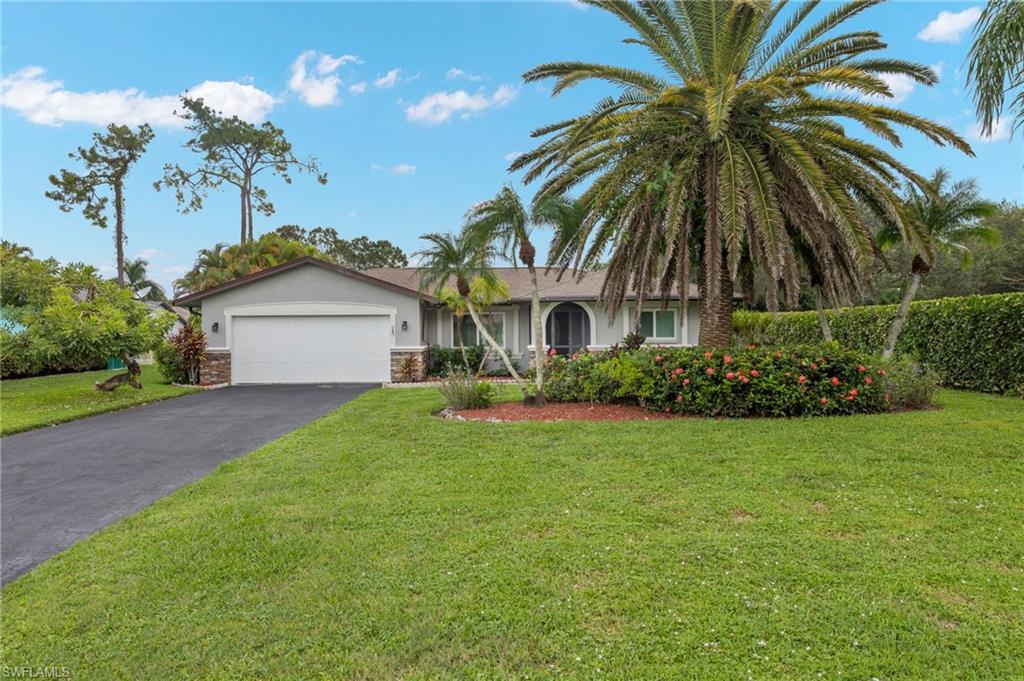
{"x": 557, "y": 411}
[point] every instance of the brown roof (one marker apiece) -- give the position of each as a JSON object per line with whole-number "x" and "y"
{"x": 518, "y": 280}
{"x": 291, "y": 264}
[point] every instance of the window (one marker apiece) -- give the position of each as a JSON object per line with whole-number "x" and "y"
{"x": 658, "y": 323}
{"x": 495, "y": 322}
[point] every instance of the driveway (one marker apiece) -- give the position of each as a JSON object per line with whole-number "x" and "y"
{"x": 63, "y": 483}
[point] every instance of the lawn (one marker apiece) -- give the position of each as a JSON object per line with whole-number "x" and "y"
{"x": 381, "y": 542}
{"x": 29, "y": 403}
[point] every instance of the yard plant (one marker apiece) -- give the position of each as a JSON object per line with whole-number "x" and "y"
{"x": 381, "y": 542}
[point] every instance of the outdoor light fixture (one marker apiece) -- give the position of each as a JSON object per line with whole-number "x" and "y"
{"x": 216, "y": 325}
{"x": 405, "y": 326}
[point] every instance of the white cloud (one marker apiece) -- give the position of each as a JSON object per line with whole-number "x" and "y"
{"x": 512, "y": 155}
{"x": 900, "y": 85}
{"x": 949, "y": 27}
{"x": 357, "y": 88}
{"x": 456, "y": 72}
{"x": 48, "y": 102}
{"x": 322, "y": 89}
{"x": 1001, "y": 129}
{"x": 150, "y": 253}
{"x": 400, "y": 169}
{"x": 388, "y": 80}
{"x": 439, "y": 107}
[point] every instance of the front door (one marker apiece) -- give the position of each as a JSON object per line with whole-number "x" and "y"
{"x": 568, "y": 329}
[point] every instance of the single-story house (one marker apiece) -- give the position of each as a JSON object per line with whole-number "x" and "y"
{"x": 312, "y": 321}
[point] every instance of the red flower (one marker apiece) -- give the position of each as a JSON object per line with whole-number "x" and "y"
{"x": 657, "y": 358}
{"x": 881, "y": 372}
{"x": 835, "y": 380}
{"x": 686, "y": 381}
{"x": 727, "y": 359}
{"x": 860, "y": 368}
{"x": 867, "y": 380}
{"x": 801, "y": 380}
{"x": 575, "y": 355}
{"x": 679, "y": 398}
{"x": 711, "y": 371}
{"x": 814, "y": 366}
{"x": 824, "y": 400}
{"x": 552, "y": 352}
{"x": 729, "y": 376}
{"x": 678, "y": 371}
{"x": 849, "y": 398}
{"x": 745, "y": 379}
{"x": 755, "y": 373}
{"x": 853, "y": 392}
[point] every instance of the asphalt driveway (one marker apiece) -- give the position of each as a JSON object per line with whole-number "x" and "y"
{"x": 63, "y": 483}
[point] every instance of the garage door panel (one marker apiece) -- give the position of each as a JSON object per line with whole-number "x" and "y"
{"x": 314, "y": 349}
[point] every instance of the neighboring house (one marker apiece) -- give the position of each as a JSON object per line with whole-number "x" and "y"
{"x": 182, "y": 314}
{"x": 311, "y": 321}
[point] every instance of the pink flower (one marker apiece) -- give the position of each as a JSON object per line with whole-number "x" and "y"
{"x": 686, "y": 381}
{"x": 824, "y": 400}
{"x": 711, "y": 371}
{"x": 744, "y": 379}
{"x": 801, "y": 380}
{"x": 668, "y": 410}
{"x": 679, "y": 398}
{"x": 849, "y": 398}
{"x": 727, "y": 359}
{"x": 755, "y": 373}
{"x": 678, "y": 371}
{"x": 881, "y": 372}
{"x": 729, "y": 376}
{"x": 657, "y": 358}
{"x": 575, "y": 355}
{"x": 853, "y": 392}
{"x": 860, "y": 368}
{"x": 867, "y": 380}
{"x": 814, "y": 366}
{"x": 835, "y": 380}
{"x": 552, "y": 352}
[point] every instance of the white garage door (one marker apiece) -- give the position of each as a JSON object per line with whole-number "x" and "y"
{"x": 316, "y": 349}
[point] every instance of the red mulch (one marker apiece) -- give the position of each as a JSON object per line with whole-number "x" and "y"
{"x": 562, "y": 411}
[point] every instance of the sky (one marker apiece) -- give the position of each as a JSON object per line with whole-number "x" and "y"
{"x": 414, "y": 109}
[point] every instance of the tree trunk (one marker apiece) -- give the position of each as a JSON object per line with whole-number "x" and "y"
{"x": 248, "y": 206}
{"x": 901, "y": 315}
{"x": 241, "y": 191}
{"x": 538, "y": 339}
{"x": 497, "y": 348}
{"x": 119, "y": 228}
{"x": 716, "y": 314}
{"x": 826, "y": 328}
{"x": 462, "y": 342}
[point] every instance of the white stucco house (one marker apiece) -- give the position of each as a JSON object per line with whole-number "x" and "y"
{"x": 311, "y": 321}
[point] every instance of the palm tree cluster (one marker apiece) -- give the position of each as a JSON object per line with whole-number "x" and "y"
{"x": 223, "y": 263}
{"x": 734, "y": 155}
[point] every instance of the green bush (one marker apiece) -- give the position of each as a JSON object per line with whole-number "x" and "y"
{"x": 462, "y": 390}
{"x": 974, "y": 342}
{"x": 908, "y": 385}
{"x": 795, "y": 381}
{"x": 444, "y": 361}
{"x": 168, "y": 361}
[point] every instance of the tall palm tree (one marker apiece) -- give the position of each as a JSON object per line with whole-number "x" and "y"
{"x": 732, "y": 145}
{"x": 482, "y": 292}
{"x": 996, "y": 62}
{"x": 137, "y": 279}
{"x": 944, "y": 219}
{"x": 505, "y": 221}
{"x": 462, "y": 258}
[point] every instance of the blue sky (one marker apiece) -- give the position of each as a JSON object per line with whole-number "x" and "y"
{"x": 407, "y": 150}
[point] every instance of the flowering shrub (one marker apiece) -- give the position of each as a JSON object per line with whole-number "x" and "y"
{"x": 794, "y": 381}
{"x": 972, "y": 342}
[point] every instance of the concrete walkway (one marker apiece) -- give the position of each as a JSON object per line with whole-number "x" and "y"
{"x": 63, "y": 483}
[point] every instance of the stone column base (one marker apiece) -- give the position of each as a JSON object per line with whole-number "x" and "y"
{"x": 216, "y": 369}
{"x": 409, "y": 365}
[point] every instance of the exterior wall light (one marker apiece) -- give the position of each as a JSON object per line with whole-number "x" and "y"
{"x": 215, "y": 327}
{"x": 405, "y": 326}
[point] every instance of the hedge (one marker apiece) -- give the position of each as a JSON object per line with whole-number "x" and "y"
{"x": 973, "y": 342}
{"x": 759, "y": 381}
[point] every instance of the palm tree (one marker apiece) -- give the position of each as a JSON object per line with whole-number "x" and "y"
{"x": 943, "y": 220}
{"x": 223, "y": 263}
{"x": 505, "y": 221}
{"x": 996, "y": 62}
{"x": 464, "y": 259}
{"x": 137, "y": 279}
{"x": 733, "y": 145}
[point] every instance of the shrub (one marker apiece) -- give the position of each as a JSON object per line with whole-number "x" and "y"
{"x": 796, "y": 381}
{"x": 462, "y": 390}
{"x": 444, "y": 361}
{"x": 908, "y": 385}
{"x": 190, "y": 344}
{"x": 973, "y": 342}
{"x": 407, "y": 368}
{"x": 168, "y": 361}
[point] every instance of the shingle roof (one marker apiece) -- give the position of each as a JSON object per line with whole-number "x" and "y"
{"x": 569, "y": 288}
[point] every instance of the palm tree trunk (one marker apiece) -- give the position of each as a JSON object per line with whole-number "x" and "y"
{"x": 497, "y": 348}
{"x": 462, "y": 342}
{"x": 901, "y": 315}
{"x": 826, "y": 328}
{"x": 716, "y": 314}
{"x": 538, "y": 339}
{"x": 119, "y": 229}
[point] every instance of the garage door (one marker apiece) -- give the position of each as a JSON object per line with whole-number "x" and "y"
{"x": 317, "y": 349}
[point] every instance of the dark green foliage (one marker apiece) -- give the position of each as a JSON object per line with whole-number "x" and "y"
{"x": 909, "y": 385}
{"x": 462, "y": 390}
{"x": 973, "y": 342}
{"x": 812, "y": 380}
{"x": 169, "y": 362}
{"x": 445, "y": 360}
{"x": 360, "y": 253}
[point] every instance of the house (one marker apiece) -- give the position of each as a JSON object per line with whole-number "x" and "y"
{"x": 311, "y": 321}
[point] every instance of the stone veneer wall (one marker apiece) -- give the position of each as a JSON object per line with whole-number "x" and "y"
{"x": 420, "y": 358}
{"x": 216, "y": 369}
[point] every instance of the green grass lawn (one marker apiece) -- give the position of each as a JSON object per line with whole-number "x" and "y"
{"x": 28, "y": 403}
{"x": 381, "y": 542}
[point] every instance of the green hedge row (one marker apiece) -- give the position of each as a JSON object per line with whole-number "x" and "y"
{"x": 974, "y": 342}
